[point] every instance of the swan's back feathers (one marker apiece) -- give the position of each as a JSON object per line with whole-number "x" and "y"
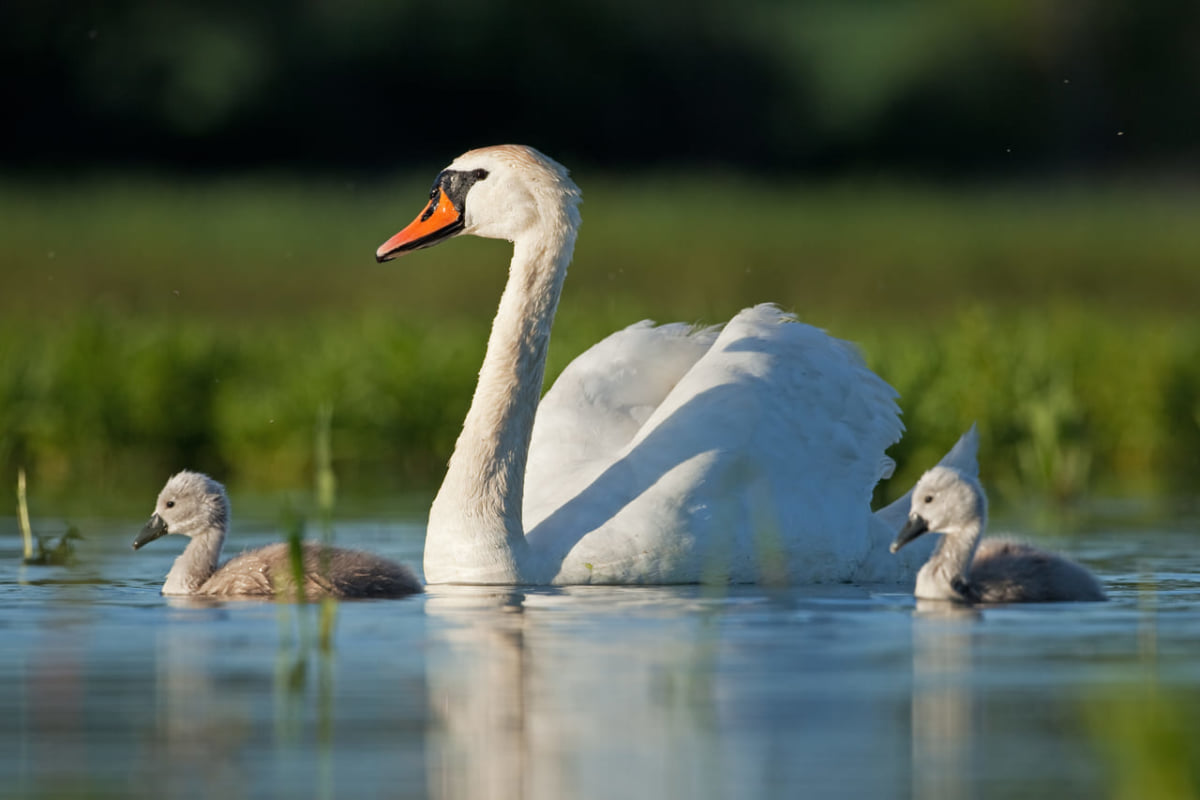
{"x": 799, "y": 379}
{"x": 815, "y": 431}
{"x": 780, "y": 422}
{"x": 328, "y": 572}
{"x": 598, "y": 404}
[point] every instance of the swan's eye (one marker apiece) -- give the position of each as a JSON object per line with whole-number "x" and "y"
{"x": 456, "y": 184}
{"x": 928, "y": 498}
{"x": 170, "y": 504}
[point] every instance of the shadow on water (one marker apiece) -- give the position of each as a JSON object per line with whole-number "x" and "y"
{"x": 109, "y": 690}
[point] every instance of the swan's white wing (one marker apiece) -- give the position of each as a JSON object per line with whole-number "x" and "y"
{"x": 760, "y": 460}
{"x": 599, "y": 403}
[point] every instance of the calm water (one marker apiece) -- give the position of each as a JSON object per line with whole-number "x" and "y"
{"x": 108, "y": 689}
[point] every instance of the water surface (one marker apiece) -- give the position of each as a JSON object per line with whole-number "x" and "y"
{"x": 109, "y": 690}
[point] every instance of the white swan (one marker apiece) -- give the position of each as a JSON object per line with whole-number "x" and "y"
{"x": 662, "y": 454}
{"x": 997, "y": 570}
{"x": 196, "y": 506}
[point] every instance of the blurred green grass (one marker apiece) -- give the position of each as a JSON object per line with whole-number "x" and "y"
{"x": 147, "y": 325}
{"x": 662, "y": 245}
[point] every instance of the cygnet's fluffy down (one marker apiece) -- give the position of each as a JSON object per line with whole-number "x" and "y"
{"x": 196, "y": 506}
{"x": 964, "y": 569}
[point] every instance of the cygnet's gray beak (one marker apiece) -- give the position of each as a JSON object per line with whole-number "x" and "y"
{"x": 155, "y": 528}
{"x": 915, "y": 526}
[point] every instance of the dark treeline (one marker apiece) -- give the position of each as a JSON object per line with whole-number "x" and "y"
{"x": 947, "y": 87}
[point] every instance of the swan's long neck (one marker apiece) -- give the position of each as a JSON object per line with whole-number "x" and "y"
{"x": 950, "y": 560}
{"x": 476, "y": 533}
{"x": 197, "y": 563}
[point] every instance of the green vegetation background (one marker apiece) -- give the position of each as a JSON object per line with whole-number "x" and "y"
{"x": 148, "y": 325}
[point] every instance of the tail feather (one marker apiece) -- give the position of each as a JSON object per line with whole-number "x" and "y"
{"x": 964, "y": 457}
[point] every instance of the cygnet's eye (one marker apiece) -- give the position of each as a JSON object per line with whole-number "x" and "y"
{"x": 171, "y": 503}
{"x": 928, "y": 498}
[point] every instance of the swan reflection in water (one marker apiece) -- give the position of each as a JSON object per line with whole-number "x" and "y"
{"x": 686, "y": 691}
{"x": 529, "y": 707}
{"x": 943, "y": 712}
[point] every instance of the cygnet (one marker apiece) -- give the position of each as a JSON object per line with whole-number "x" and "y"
{"x": 998, "y": 570}
{"x": 194, "y": 505}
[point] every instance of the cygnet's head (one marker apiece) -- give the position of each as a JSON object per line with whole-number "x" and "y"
{"x": 943, "y": 501}
{"x": 190, "y": 503}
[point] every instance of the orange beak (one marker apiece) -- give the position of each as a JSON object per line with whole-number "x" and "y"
{"x": 440, "y": 220}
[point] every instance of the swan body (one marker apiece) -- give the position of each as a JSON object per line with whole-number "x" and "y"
{"x": 996, "y": 570}
{"x": 664, "y": 454}
{"x": 196, "y": 506}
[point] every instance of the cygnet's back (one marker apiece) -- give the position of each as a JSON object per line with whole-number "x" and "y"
{"x": 1008, "y": 571}
{"x": 196, "y": 506}
{"x": 962, "y": 568}
{"x": 328, "y": 572}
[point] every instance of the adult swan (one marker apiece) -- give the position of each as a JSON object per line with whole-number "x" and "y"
{"x": 662, "y": 454}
